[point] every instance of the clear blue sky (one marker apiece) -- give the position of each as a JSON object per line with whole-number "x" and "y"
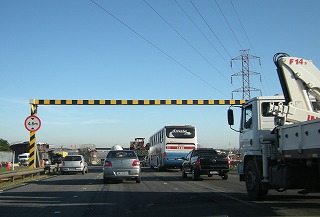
{"x": 82, "y": 49}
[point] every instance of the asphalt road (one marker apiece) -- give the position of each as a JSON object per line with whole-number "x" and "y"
{"x": 158, "y": 194}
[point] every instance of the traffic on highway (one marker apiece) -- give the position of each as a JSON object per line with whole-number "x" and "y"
{"x": 159, "y": 193}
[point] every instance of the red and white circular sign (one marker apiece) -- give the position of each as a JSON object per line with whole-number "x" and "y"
{"x": 32, "y": 123}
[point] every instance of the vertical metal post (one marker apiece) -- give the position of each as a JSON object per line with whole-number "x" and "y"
{"x": 32, "y": 143}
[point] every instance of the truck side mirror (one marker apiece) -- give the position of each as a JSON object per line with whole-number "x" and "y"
{"x": 230, "y": 117}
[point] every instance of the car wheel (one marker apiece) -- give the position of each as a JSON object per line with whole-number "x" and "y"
{"x": 105, "y": 180}
{"x": 195, "y": 175}
{"x": 224, "y": 176}
{"x": 253, "y": 184}
{"x": 138, "y": 179}
{"x": 183, "y": 173}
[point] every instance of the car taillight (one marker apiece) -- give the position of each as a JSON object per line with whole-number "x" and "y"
{"x": 135, "y": 163}
{"x": 198, "y": 162}
{"x": 80, "y": 163}
{"x": 164, "y": 154}
{"x": 229, "y": 161}
{"x": 107, "y": 164}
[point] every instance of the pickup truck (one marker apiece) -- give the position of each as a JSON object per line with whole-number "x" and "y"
{"x": 205, "y": 162}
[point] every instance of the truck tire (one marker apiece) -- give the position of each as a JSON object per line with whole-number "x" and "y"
{"x": 253, "y": 182}
{"x": 195, "y": 175}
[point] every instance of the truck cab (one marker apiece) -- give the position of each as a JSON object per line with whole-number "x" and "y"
{"x": 279, "y": 135}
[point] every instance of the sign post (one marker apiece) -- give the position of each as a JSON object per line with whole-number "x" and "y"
{"x": 32, "y": 124}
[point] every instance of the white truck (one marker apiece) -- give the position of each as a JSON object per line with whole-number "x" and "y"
{"x": 23, "y": 159}
{"x": 280, "y": 135}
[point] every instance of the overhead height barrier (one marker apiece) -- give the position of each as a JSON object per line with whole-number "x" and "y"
{"x": 36, "y": 102}
{"x": 137, "y": 102}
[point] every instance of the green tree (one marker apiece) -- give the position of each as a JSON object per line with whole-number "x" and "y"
{"x": 4, "y": 145}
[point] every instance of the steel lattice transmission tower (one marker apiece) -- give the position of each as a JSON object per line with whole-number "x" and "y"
{"x": 245, "y": 74}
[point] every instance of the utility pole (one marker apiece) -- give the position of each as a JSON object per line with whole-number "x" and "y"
{"x": 245, "y": 73}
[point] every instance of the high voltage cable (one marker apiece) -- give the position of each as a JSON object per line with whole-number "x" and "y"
{"x": 186, "y": 40}
{"x": 152, "y": 44}
{"x": 211, "y": 29}
{"x": 201, "y": 32}
{"x": 228, "y": 24}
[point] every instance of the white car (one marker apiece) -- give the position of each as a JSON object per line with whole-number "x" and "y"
{"x": 74, "y": 163}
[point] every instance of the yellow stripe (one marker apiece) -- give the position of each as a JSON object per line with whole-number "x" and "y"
{"x": 80, "y": 102}
{"x": 179, "y": 102}
{"x": 91, "y": 102}
{"x": 200, "y": 102}
{"x": 221, "y": 102}
{"x": 134, "y": 102}
{"x": 124, "y": 102}
{"x": 189, "y": 102}
{"x": 146, "y": 102}
{"x": 113, "y": 102}
{"x": 168, "y": 102}
{"x": 102, "y": 102}
{"x": 157, "y": 102}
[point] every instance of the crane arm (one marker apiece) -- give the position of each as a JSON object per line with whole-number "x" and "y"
{"x": 300, "y": 82}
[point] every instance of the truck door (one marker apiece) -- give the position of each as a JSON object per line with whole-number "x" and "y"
{"x": 247, "y": 119}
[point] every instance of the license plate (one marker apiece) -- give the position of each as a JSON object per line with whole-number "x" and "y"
{"x": 122, "y": 173}
{"x": 213, "y": 172}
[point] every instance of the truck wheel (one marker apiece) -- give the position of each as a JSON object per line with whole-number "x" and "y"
{"x": 195, "y": 175}
{"x": 253, "y": 182}
{"x": 225, "y": 176}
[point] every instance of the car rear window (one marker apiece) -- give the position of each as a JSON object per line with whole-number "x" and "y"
{"x": 121, "y": 154}
{"x": 206, "y": 153}
{"x": 72, "y": 158}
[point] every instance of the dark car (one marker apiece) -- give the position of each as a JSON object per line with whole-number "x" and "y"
{"x": 57, "y": 159}
{"x": 205, "y": 162}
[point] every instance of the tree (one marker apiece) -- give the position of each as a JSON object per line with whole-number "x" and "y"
{"x": 4, "y": 145}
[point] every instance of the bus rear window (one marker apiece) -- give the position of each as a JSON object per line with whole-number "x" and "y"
{"x": 175, "y": 132}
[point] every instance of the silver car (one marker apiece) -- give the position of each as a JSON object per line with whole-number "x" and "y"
{"x": 74, "y": 163}
{"x": 121, "y": 164}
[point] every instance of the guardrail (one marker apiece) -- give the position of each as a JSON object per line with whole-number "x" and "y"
{"x": 26, "y": 173}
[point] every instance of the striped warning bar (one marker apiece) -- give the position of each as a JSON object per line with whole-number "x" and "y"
{"x": 136, "y": 102}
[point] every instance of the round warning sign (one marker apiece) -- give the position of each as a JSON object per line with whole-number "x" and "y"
{"x": 32, "y": 123}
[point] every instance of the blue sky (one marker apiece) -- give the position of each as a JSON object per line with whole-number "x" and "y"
{"x": 102, "y": 49}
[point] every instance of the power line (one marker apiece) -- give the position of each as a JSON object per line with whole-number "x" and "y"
{"x": 176, "y": 31}
{"x": 156, "y": 47}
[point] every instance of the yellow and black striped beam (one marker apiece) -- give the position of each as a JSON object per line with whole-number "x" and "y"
{"x": 32, "y": 144}
{"x": 137, "y": 102}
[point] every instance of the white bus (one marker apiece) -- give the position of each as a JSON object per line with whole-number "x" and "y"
{"x": 169, "y": 144}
